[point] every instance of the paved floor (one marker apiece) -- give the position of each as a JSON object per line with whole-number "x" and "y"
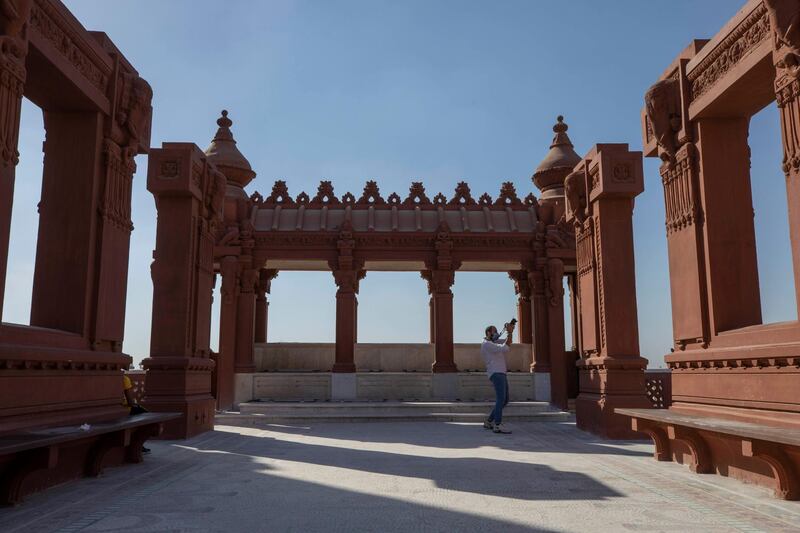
{"x": 425, "y": 476}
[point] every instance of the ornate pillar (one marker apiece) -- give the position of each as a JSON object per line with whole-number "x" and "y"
{"x": 189, "y": 196}
{"x": 244, "y": 362}
{"x": 346, "y": 273}
{"x": 13, "y": 51}
{"x": 786, "y": 57}
{"x": 346, "y": 318}
{"x": 439, "y": 286}
{"x": 540, "y": 311}
{"x": 561, "y": 367}
{"x": 431, "y": 319}
{"x": 127, "y": 133}
{"x": 611, "y": 370}
{"x": 265, "y": 277}
{"x": 522, "y": 289}
{"x": 229, "y": 304}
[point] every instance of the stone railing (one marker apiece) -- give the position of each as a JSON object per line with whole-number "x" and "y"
{"x": 658, "y": 387}
{"x": 137, "y": 378}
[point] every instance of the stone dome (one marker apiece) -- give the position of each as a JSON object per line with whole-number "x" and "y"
{"x": 224, "y": 154}
{"x": 559, "y": 161}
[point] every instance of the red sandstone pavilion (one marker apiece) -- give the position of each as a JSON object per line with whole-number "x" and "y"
{"x": 735, "y": 406}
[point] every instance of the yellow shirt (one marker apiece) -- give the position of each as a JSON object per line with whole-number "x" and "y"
{"x": 127, "y": 384}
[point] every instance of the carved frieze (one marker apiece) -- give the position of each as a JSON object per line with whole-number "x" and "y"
{"x": 45, "y": 20}
{"x": 743, "y": 39}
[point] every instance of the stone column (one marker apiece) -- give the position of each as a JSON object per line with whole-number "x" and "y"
{"x": 13, "y": 51}
{"x": 229, "y": 289}
{"x": 787, "y": 90}
{"x": 346, "y": 318}
{"x": 561, "y": 367}
{"x": 265, "y": 277}
{"x": 600, "y": 197}
{"x": 189, "y": 195}
{"x": 439, "y": 285}
{"x": 431, "y": 320}
{"x": 522, "y": 289}
{"x": 541, "y": 335}
{"x": 244, "y": 362}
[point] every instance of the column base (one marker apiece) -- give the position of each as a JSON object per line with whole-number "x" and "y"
{"x": 607, "y": 384}
{"x": 595, "y": 413}
{"x": 541, "y": 386}
{"x": 243, "y": 389}
{"x": 344, "y": 368}
{"x": 442, "y": 368}
{"x": 198, "y": 415}
{"x": 444, "y": 386}
{"x": 343, "y": 386}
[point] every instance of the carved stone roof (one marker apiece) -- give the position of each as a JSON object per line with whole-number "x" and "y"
{"x": 558, "y": 162}
{"x": 416, "y": 213}
{"x": 223, "y": 153}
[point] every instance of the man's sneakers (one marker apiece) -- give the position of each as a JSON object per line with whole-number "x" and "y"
{"x": 501, "y": 428}
{"x": 487, "y": 424}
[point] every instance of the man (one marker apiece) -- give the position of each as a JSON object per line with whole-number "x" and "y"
{"x": 129, "y": 401}
{"x": 493, "y": 351}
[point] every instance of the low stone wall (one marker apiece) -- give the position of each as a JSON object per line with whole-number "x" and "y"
{"x": 400, "y": 357}
{"x": 376, "y": 386}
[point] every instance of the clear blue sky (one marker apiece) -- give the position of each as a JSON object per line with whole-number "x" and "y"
{"x": 433, "y": 90}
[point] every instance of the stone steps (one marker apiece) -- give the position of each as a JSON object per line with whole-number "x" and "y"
{"x": 269, "y": 412}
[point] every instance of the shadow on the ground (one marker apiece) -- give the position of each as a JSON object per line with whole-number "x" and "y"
{"x": 490, "y": 475}
{"x": 546, "y": 436}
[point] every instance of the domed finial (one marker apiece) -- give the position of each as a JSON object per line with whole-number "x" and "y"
{"x": 558, "y": 162}
{"x": 224, "y": 121}
{"x": 560, "y": 127}
{"x": 223, "y": 153}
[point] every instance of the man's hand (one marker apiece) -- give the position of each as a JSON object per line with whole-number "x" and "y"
{"x": 510, "y": 328}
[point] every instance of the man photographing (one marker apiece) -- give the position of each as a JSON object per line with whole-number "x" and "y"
{"x": 493, "y": 351}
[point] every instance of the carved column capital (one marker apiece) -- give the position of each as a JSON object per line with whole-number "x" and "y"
{"x": 229, "y": 269}
{"x": 248, "y": 281}
{"x": 536, "y": 282}
{"x": 555, "y": 281}
{"x": 347, "y": 280}
{"x": 439, "y": 281}
{"x": 522, "y": 286}
{"x": 265, "y": 277}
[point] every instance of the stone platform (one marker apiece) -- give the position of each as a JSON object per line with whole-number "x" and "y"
{"x": 414, "y": 476}
{"x": 388, "y": 386}
{"x": 260, "y": 413}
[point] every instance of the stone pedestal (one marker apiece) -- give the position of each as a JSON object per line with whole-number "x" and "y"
{"x": 343, "y": 386}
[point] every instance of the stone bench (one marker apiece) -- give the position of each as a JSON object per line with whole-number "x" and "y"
{"x": 778, "y": 447}
{"x": 33, "y": 460}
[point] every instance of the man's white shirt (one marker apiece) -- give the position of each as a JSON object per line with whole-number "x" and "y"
{"x": 494, "y": 356}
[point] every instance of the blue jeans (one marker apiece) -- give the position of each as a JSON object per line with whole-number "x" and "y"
{"x": 500, "y": 382}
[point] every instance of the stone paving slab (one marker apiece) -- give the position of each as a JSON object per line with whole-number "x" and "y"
{"x": 411, "y": 476}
